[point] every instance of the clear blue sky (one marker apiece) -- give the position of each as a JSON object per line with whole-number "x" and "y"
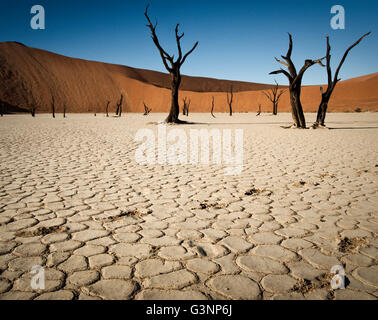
{"x": 237, "y": 39}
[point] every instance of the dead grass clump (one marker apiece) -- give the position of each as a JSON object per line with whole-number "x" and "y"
{"x": 350, "y": 245}
{"x": 129, "y": 213}
{"x": 207, "y": 205}
{"x": 299, "y": 183}
{"x": 255, "y": 191}
{"x": 306, "y": 286}
{"x": 326, "y": 175}
{"x": 303, "y": 286}
{"x": 40, "y": 231}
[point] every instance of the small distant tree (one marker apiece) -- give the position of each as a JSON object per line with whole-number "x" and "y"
{"x": 326, "y": 95}
{"x": 107, "y": 108}
{"x": 274, "y": 96}
{"x": 230, "y": 100}
{"x": 212, "y": 106}
{"x": 53, "y": 107}
{"x": 172, "y": 66}
{"x": 185, "y": 109}
{"x": 147, "y": 110}
{"x": 33, "y": 108}
{"x": 259, "y": 112}
{"x": 64, "y": 110}
{"x": 119, "y": 106}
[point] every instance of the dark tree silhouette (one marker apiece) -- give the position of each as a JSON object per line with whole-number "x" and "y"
{"x": 64, "y": 110}
{"x": 147, "y": 110}
{"x": 212, "y": 106}
{"x": 119, "y": 106}
{"x": 295, "y": 81}
{"x": 1, "y": 108}
{"x": 322, "y": 110}
{"x": 274, "y": 96}
{"x": 33, "y": 108}
{"x": 172, "y": 66}
{"x": 107, "y": 108}
{"x": 230, "y": 100}
{"x": 185, "y": 108}
{"x": 259, "y": 112}
{"x": 53, "y": 107}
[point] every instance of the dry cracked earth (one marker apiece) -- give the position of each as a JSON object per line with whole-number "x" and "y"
{"x": 74, "y": 201}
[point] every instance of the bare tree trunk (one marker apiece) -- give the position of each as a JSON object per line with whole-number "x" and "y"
{"x": 259, "y": 112}
{"x": 212, "y": 106}
{"x": 32, "y": 110}
{"x": 230, "y": 100}
{"x": 107, "y": 109}
{"x": 64, "y": 110}
{"x": 119, "y": 106}
{"x": 175, "y": 108}
{"x": 185, "y": 108}
{"x": 53, "y": 107}
{"x": 297, "y": 110}
{"x": 173, "y": 67}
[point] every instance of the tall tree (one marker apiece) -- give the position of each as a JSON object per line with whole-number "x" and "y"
{"x": 295, "y": 83}
{"x": 172, "y": 66}
{"x": 274, "y": 96}
{"x": 326, "y": 95}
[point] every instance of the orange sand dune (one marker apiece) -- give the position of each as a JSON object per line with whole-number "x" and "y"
{"x": 32, "y": 76}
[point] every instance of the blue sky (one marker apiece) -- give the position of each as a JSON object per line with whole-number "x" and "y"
{"x": 238, "y": 39}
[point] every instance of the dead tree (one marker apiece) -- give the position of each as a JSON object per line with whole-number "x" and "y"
{"x": 274, "y": 96}
{"x": 33, "y": 108}
{"x": 107, "y": 108}
{"x": 64, "y": 110}
{"x": 259, "y": 112}
{"x": 172, "y": 66}
{"x": 53, "y": 107}
{"x": 119, "y": 106}
{"x": 212, "y": 106}
{"x": 1, "y": 108}
{"x": 322, "y": 110}
{"x": 230, "y": 100}
{"x": 295, "y": 83}
{"x": 185, "y": 108}
{"x": 147, "y": 110}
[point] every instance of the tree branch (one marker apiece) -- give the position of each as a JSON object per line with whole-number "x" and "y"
{"x": 284, "y": 72}
{"x": 345, "y": 55}
{"x": 164, "y": 55}
{"x": 188, "y": 53}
